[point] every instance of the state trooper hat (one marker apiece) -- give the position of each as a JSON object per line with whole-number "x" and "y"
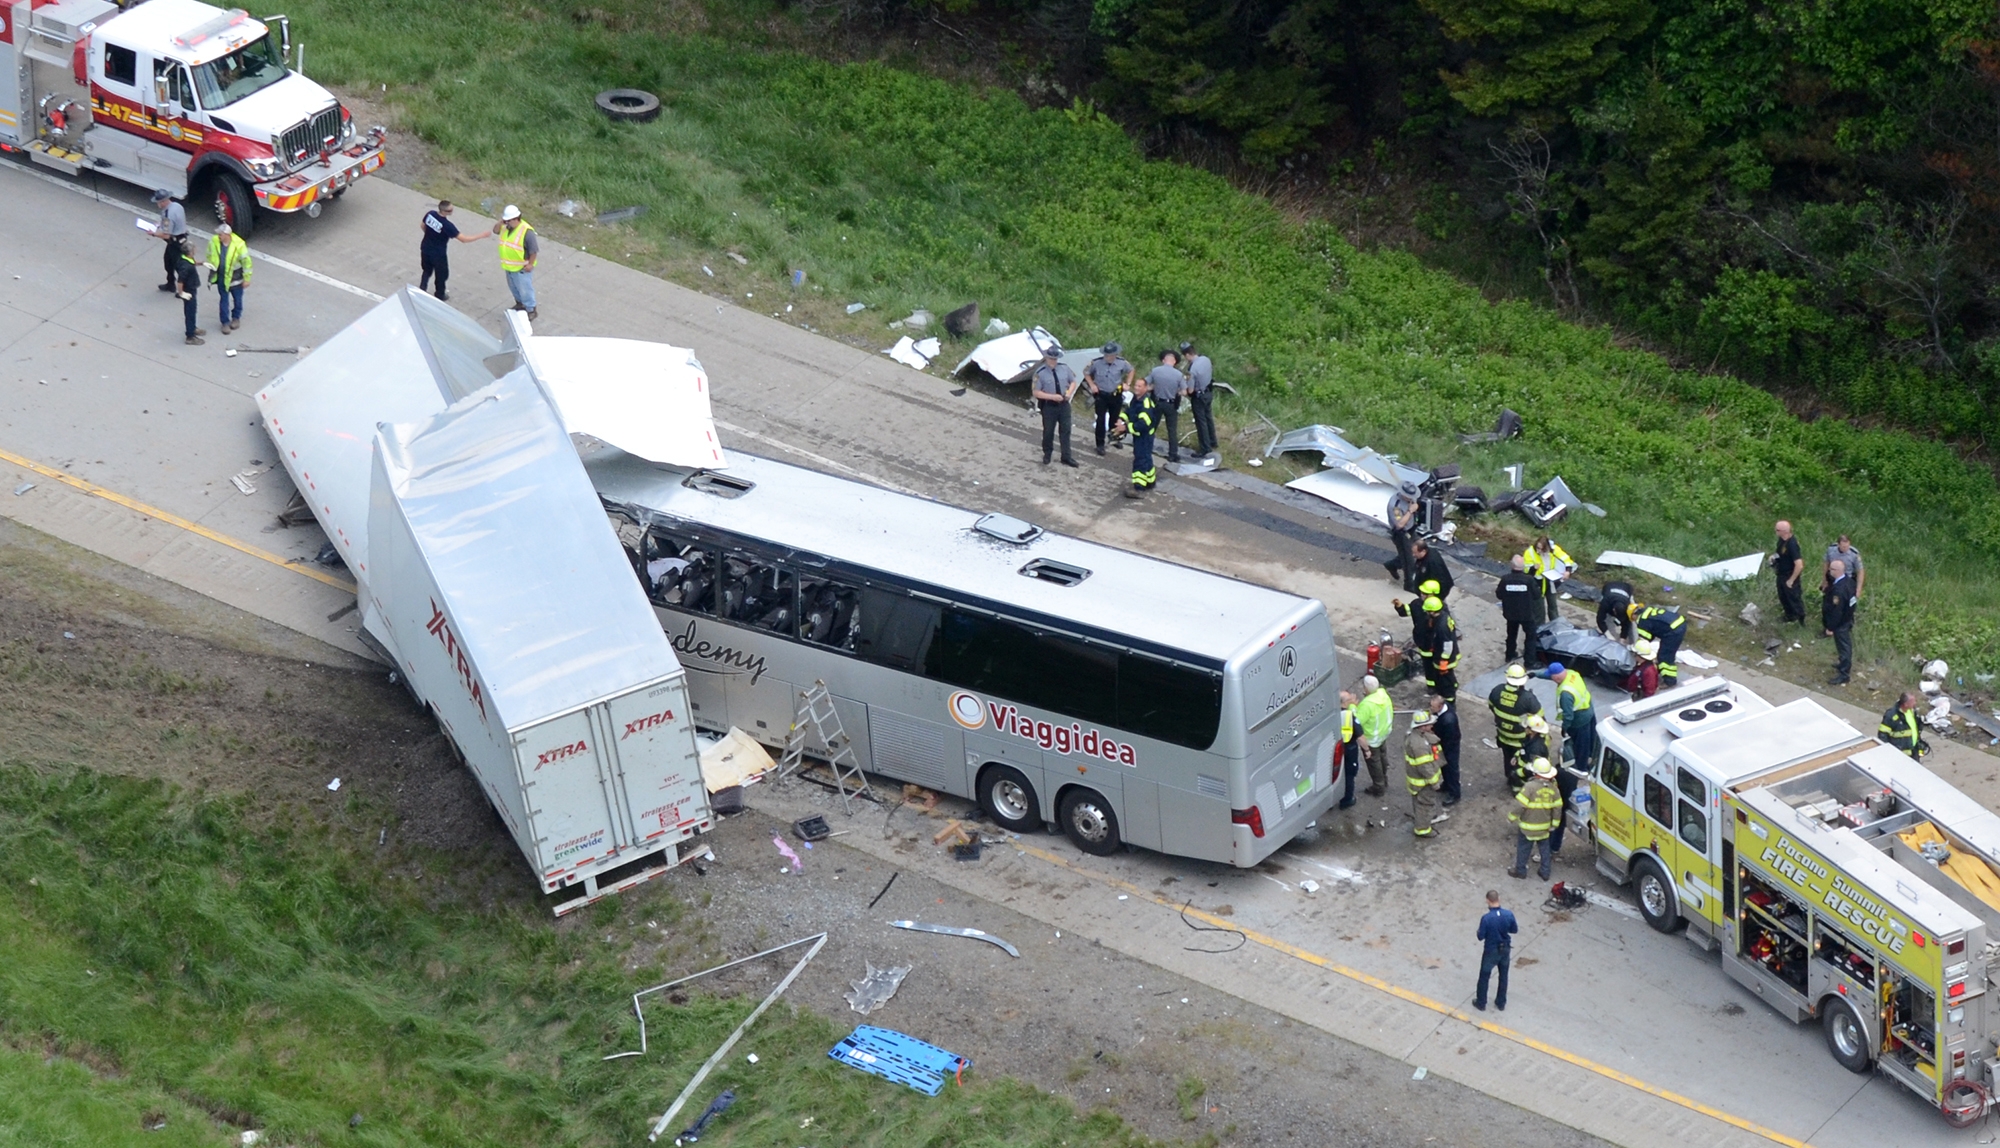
{"x": 1186, "y": 347}
{"x": 162, "y": 195}
{"x": 1112, "y": 348}
{"x": 1051, "y": 352}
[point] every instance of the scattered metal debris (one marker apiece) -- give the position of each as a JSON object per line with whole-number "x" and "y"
{"x": 1507, "y": 426}
{"x": 812, "y": 828}
{"x": 952, "y": 931}
{"x": 1008, "y": 359}
{"x": 818, "y": 942}
{"x": 23, "y": 489}
{"x": 873, "y": 991}
{"x": 639, "y": 997}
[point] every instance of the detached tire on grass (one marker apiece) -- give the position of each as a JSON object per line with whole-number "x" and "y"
{"x": 629, "y": 105}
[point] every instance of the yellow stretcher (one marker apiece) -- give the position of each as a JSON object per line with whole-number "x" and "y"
{"x": 1974, "y": 874}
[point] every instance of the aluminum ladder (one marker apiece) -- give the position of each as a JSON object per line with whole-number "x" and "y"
{"x": 816, "y": 708}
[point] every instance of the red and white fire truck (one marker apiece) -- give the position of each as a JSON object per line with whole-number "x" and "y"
{"x": 180, "y": 95}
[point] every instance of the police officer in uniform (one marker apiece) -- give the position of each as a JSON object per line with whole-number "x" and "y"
{"x": 1201, "y": 399}
{"x": 1107, "y": 376}
{"x": 173, "y": 231}
{"x": 1511, "y": 702}
{"x": 1521, "y": 605}
{"x": 1167, "y": 383}
{"x": 1403, "y": 532}
{"x": 1899, "y": 728}
{"x": 1430, "y": 568}
{"x": 1444, "y": 726}
{"x": 1054, "y": 383}
{"x": 1423, "y": 773}
{"x": 1141, "y": 419}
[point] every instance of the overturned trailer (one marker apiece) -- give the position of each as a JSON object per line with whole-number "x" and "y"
{"x": 436, "y": 459}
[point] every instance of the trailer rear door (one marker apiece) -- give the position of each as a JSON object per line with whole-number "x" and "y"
{"x": 657, "y": 771}
{"x": 563, "y": 771}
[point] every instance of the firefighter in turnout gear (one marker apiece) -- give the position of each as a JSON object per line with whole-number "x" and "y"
{"x": 1141, "y": 420}
{"x": 1536, "y": 808}
{"x": 1421, "y": 769}
{"x": 1511, "y": 702}
{"x": 1665, "y": 626}
{"x": 1534, "y": 744}
{"x": 1441, "y": 658}
{"x": 1899, "y": 727}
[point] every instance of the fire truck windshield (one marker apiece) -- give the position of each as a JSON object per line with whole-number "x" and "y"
{"x": 251, "y": 68}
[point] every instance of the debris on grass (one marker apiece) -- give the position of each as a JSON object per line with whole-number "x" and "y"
{"x": 873, "y": 990}
{"x": 904, "y": 1059}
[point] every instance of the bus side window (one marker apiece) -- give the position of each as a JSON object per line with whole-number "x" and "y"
{"x": 1017, "y": 662}
{"x": 680, "y": 573}
{"x": 1614, "y": 774}
{"x": 1171, "y": 702}
{"x": 1659, "y": 802}
{"x": 757, "y": 594}
{"x": 894, "y": 629}
{"x": 827, "y": 613}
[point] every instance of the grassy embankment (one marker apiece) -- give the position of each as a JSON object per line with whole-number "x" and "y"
{"x": 227, "y": 962}
{"x": 904, "y": 191}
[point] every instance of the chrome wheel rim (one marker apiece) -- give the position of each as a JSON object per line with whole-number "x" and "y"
{"x": 1090, "y": 822}
{"x": 1010, "y": 800}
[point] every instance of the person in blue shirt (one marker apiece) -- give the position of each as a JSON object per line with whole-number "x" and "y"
{"x": 1496, "y": 929}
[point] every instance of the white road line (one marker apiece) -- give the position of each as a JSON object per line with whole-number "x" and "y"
{"x": 91, "y": 193}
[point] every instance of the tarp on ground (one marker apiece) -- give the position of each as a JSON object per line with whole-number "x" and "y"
{"x": 1730, "y": 570}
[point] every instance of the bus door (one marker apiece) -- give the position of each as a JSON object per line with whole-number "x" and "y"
{"x": 1697, "y": 843}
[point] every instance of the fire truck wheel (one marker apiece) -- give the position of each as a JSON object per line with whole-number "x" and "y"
{"x": 1846, "y": 1038}
{"x": 1658, "y": 902}
{"x": 231, "y": 201}
{"x": 630, "y": 105}
{"x": 1088, "y": 822}
{"x": 1009, "y": 800}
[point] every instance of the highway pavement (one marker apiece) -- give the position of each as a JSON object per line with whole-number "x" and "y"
{"x": 118, "y": 438}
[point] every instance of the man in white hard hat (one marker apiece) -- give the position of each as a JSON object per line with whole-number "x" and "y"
{"x": 518, "y": 251}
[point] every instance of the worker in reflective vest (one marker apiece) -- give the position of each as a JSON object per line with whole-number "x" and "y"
{"x": 1534, "y": 815}
{"x": 1424, "y": 775}
{"x": 1664, "y": 625}
{"x": 1579, "y": 722}
{"x": 1347, "y": 755}
{"x": 1899, "y": 727}
{"x": 1376, "y": 714}
{"x": 1141, "y": 419}
{"x": 518, "y": 251}
{"x": 229, "y": 270}
{"x": 1511, "y": 702}
{"x": 1550, "y": 565}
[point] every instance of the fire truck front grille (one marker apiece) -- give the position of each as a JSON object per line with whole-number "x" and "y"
{"x": 311, "y": 136}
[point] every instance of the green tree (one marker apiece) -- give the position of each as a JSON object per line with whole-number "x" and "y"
{"x": 1529, "y": 55}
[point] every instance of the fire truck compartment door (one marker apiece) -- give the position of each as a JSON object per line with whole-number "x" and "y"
{"x": 1697, "y": 845}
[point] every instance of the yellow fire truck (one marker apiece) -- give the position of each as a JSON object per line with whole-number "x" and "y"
{"x": 1840, "y": 880}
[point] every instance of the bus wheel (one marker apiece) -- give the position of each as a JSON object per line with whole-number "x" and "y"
{"x": 1658, "y": 902}
{"x": 1088, "y": 822}
{"x": 1009, "y": 800}
{"x": 1846, "y": 1039}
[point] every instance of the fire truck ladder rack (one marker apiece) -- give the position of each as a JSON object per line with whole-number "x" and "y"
{"x": 816, "y": 707}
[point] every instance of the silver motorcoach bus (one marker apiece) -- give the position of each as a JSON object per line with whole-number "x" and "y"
{"x": 1124, "y": 698}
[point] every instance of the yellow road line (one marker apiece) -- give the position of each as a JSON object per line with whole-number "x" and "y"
{"x": 172, "y": 519}
{"x": 1420, "y": 1000}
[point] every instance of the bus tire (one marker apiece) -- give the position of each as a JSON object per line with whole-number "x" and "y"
{"x": 1088, "y": 822}
{"x": 1009, "y": 799}
{"x": 1846, "y": 1036}
{"x": 231, "y": 201}
{"x": 1658, "y": 902}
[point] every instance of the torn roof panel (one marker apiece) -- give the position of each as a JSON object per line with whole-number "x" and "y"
{"x": 1365, "y": 463}
{"x": 1729, "y": 570}
{"x": 1009, "y": 358}
{"x": 1368, "y": 499}
{"x": 648, "y": 399}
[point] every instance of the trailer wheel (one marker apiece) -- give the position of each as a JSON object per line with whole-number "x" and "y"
{"x": 1089, "y": 823}
{"x": 231, "y": 201}
{"x": 1009, "y": 799}
{"x": 1658, "y": 902}
{"x": 630, "y": 105}
{"x": 1846, "y": 1038}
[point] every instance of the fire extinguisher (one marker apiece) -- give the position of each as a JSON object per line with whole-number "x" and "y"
{"x": 1374, "y": 655}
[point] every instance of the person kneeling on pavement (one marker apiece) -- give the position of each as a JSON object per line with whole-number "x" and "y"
{"x": 1536, "y": 808}
{"x": 1421, "y": 768}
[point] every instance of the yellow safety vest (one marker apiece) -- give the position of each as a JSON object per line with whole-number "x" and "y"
{"x": 1540, "y": 803}
{"x": 1572, "y": 687}
{"x": 231, "y": 266}
{"x": 1346, "y": 724}
{"x": 513, "y": 246}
